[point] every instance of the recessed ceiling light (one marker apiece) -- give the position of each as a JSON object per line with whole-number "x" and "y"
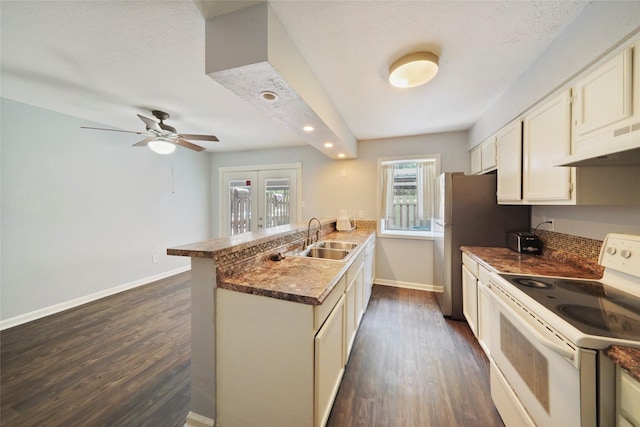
{"x": 308, "y": 128}
{"x": 267, "y": 95}
{"x": 328, "y": 144}
{"x": 413, "y": 69}
{"x": 341, "y": 155}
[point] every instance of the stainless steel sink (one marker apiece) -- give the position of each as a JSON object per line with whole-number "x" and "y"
{"x": 332, "y": 244}
{"x": 326, "y": 253}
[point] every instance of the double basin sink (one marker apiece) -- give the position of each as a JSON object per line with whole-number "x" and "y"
{"x": 325, "y": 249}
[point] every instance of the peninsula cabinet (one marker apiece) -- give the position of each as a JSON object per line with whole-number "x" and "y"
{"x": 280, "y": 362}
{"x": 606, "y": 107}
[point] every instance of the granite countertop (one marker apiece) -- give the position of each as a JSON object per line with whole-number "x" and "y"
{"x": 504, "y": 260}
{"x": 627, "y": 358}
{"x": 298, "y": 279}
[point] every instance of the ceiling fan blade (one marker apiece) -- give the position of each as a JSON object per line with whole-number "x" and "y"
{"x": 115, "y": 130}
{"x": 144, "y": 142}
{"x": 200, "y": 137}
{"x": 189, "y": 145}
{"x": 151, "y": 124}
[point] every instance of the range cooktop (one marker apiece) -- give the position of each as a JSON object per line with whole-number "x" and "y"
{"x": 590, "y": 306}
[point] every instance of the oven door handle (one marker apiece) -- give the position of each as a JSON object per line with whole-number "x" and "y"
{"x": 567, "y": 354}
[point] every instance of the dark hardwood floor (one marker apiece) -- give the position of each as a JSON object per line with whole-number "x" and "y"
{"x": 124, "y": 361}
{"x": 121, "y": 361}
{"x": 411, "y": 367}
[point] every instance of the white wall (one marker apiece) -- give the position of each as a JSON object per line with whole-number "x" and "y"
{"x": 326, "y": 191}
{"x": 83, "y": 211}
{"x": 600, "y": 27}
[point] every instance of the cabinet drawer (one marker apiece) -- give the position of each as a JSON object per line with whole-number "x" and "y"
{"x": 322, "y": 311}
{"x": 484, "y": 275}
{"x": 470, "y": 263}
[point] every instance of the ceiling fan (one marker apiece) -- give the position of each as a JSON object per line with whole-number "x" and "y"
{"x": 163, "y": 138}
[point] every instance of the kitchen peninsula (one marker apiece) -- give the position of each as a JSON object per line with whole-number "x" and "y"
{"x": 270, "y": 338}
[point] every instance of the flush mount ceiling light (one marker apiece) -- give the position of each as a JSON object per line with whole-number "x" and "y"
{"x": 162, "y": 145}
{"x": 413, "y": 69}
{"x": 308, "y": 128}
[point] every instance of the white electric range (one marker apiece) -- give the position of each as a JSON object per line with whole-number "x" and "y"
{"x": 547, "y": 335}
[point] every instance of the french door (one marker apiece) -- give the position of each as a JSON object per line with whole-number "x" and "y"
{"x": 254, "y": 198}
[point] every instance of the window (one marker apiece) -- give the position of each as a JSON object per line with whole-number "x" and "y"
{"x": 407, "y": 195}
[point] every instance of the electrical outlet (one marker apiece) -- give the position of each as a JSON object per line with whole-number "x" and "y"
{"x": 551, "y": 224}
{"x": 155, "y": 259}
{"x": 361, "y": 214}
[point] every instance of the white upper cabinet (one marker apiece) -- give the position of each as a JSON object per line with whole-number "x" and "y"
{"x": 509, "y": 147}
{"x": 483, "y": 157}
{"x": 606, "y": 108}
{"x": 476, "y": 160}
{"x": 546, "y": 139}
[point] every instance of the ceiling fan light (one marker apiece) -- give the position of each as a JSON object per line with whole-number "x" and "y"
{"x": 162, "y": 145}
{"x": 413, "y": 69}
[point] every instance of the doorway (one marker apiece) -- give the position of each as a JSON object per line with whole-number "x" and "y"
{"x": 253, "y": 198}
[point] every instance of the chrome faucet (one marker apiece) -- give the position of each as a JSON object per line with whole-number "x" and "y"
{"x": 309, "y": 239}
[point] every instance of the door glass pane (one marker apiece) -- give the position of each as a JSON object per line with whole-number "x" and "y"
{"x": 277, "y": 202}
{"x": 240, "y": 206}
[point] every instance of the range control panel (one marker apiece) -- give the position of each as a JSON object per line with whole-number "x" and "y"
{"x": 621, "y": 252}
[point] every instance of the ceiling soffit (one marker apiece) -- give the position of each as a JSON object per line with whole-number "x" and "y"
{"x": 249, "y": 52}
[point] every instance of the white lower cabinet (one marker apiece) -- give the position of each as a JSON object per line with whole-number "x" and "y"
{"x": 485, "y": 308}
{"x": 470, "y": 292}
{"x": 329, "y": 363}
{"x": 470, "y": 299}
{"x": 628, "y": 398}
{"x": 369, "y": 271}
{"x": 280, "y": 363}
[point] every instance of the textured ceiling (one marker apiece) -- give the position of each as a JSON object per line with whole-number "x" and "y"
{"x": 107, "y": 61}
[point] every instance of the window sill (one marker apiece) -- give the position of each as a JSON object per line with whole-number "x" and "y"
{"x": 413, "y": 235}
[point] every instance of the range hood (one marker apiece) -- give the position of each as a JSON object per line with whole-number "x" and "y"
{"x": 249, "y": 52}
{"x": 620, "y": 147}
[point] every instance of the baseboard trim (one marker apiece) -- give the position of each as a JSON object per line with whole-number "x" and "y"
{"x": 57, "y": 308}
{"x": 197, "y": 420}
{"x": 408, "y": 285}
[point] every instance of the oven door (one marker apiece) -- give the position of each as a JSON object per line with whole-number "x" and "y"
{"x": 541, "y": 379}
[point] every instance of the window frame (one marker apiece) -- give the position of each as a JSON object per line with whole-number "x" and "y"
{"x": 402, "y": 234}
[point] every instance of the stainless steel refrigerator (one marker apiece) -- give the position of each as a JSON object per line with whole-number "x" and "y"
{"x": 467, "y": 213}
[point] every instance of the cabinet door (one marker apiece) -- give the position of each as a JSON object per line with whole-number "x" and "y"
{"x": 509, "y": 146}
{"x": 628, "y": 396}
{"x": 329, "y": 365}
{"x": 369, "y": 273}
{"x": 470, "y": 299}
{"x": 359, "y": 283}
{"x": 485, "y": 306}
{"x": 351, "y": 311}
{"x": 489, "y": 160}
{"x": 476, "y": 160}
{"x": 547, "y": 138}
{"x": 603, "y": 97}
